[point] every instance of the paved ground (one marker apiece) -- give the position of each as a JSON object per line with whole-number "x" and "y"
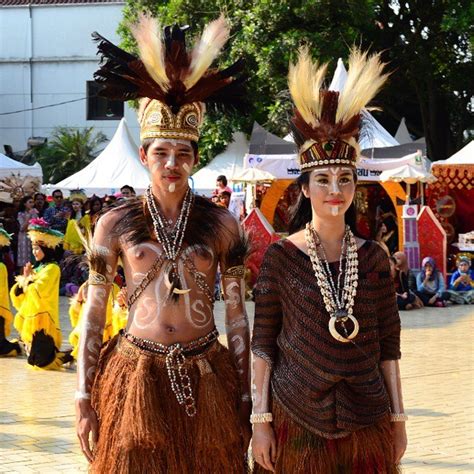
{"x": 36, "y": 408}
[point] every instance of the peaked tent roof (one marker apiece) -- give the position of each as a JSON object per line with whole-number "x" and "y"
{"x": 403, "y": 135}
{"x": 265, "y": 143}
{"x": 8, "y": 166}
{"x": 375, "y": 136}
{"x": 465, "y": 156}
{"x": 117, "y": 165}
{"x": 392, "y": 152}
{"x": 227, "y": 163}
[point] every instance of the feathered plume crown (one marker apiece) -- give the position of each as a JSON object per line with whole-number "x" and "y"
{"x": 326, "y": 124}
{"x": 173, "y": 82}
{"x": 40, "y": 233}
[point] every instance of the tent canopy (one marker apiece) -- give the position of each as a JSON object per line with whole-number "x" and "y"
{"x": 228, "y": 163}
{"x": 265, "y": 143}
{"x": 9, "y": 166}
{"x": 117, "y": 165}
{"x": 465, "y": 156}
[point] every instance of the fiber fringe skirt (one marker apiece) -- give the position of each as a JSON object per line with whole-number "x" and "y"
{"x": 299, "y": 451}
{"x": 143, "y": 429}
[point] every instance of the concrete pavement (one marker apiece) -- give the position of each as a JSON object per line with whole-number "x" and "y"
{"x": 37, "y": 422}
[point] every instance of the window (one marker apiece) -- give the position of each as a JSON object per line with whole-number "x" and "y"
{"x": 100, "y": 108}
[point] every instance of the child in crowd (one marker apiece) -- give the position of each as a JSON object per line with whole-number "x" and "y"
{"x": 7, "y": 348}
{"x": 431, "y": 288}
{"x": 36, "y": 298}
{"x": 461, "y": 285}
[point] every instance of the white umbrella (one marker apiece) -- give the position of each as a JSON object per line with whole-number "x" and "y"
{"x": 408, "y": 174}
{"x": 253, "y": 175}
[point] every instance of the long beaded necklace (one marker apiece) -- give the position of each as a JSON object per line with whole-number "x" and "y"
{"x": 339, "y": 301}
{"x": 171, "y": 240}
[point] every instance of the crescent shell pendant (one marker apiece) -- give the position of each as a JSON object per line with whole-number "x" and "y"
{"x": 176, "y": 291}
{"x": 336, "y": 335}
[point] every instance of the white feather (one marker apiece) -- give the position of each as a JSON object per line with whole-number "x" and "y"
{"x": 206, "y": 50}
{"x": 147, "y": 33}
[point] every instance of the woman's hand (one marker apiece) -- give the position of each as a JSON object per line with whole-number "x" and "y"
{"x": 27, "y": 269}
{"x": 86, "y": 423}
{"x": 264, "y": 446}
{"x": 399, "y": 436}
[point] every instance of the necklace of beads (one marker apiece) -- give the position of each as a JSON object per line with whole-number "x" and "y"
{"x": 171, "y": 241}
{"x": 339, "y": 302}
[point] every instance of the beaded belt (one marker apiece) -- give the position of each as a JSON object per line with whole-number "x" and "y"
{"x": 175, "y": 360}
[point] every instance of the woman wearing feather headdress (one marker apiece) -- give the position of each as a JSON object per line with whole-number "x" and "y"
{"x": 170, "y": 398}
{"x": 326, "y": 338}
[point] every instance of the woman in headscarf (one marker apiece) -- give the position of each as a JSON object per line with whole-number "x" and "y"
{"x": 431, "y": 288}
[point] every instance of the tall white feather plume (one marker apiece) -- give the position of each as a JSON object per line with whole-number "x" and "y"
{"x": 206, "y": 50}
{"x": 305, "y": 79}
{"x": 147, "y": 33}
{"x": 364, "y": 80}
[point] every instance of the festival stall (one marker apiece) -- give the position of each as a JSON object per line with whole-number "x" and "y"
{"x": 18, "y": 180}
{"x": 451, "y": 197}
{"x": 227, "y": 163}
{"x": 117, "y": 165}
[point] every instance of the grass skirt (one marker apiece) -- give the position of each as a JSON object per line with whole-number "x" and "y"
{"x": 143, "y": 429}
{"x": 299, "y": 451}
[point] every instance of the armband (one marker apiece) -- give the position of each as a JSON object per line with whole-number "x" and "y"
{"x": 234, "y": 272}
{"x": 96, "y": 278}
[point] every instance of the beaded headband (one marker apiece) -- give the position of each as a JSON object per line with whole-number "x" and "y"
{"x": 173, "y": 83}
{"x": 326, "y": 124}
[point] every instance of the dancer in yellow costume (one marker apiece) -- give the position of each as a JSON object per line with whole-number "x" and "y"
{"x": 36, "y": 298}
{"x": 7, "y": 348}
{"x": 72, "y": 239}
{"x": 115, "y": 320}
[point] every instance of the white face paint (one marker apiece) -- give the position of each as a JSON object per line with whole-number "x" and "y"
{"x": 172, "y": 187}
{"x": 333, "y": 180}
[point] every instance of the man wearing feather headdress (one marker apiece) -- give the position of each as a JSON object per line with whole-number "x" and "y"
{"x": 164, "y": 396}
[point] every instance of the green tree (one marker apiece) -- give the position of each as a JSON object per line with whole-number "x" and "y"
{"x": 429, "y": 84}
{"x": 429, "y": 46}
{"x": 68, "y": 151}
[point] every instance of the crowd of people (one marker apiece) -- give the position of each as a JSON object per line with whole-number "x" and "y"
{"x": 43, "y": 256}
{"x": 428, "y": 287}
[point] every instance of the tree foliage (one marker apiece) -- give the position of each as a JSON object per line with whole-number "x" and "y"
{"x": 68, "y": 151}
{"x": 428, "y": 85}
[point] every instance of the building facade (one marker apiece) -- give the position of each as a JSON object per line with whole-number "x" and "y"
{"x": 47, "y": 59}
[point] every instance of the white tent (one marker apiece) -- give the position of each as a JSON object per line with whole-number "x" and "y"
{"x": 15, "y": 175}
{"x": 465, "y": 156}
{"x": 403, "y": 135}
{"x": 117, "y": 165}
{"x": 228, "y": 163}
{"x": 376, "y": 136}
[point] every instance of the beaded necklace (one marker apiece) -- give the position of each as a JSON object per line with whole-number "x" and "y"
{"x": 171, "y": 240}
{"x": 339, "y": 302}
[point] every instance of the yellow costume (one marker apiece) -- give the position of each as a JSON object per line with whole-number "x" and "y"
{"x": 5, "y": 312}
{"x": 38, "y": 304}
{"x": 115, "y": 318}
{"x": 72, "y": 240}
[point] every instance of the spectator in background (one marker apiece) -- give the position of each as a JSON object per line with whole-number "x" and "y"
{"x": 95, "y": 206}
{"x": 224, "y": 199}
{"x": 404, "y": 282}
{"x": 461, "y": 285}
{"x": 127, "y": 192}
{"x": 26, "y": 211}
{"x": 109, "y": 201}
{"x": 41, "y": 203}
{"x": 431, "y": 288}
{"x": 382, "y": 236}
{"x": 56, "y": 215}
{"x": 221, "y": 186}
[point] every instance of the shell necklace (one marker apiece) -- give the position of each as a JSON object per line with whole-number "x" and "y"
{"x": 171, "y": 240}
{"x": 339, "y": 302}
